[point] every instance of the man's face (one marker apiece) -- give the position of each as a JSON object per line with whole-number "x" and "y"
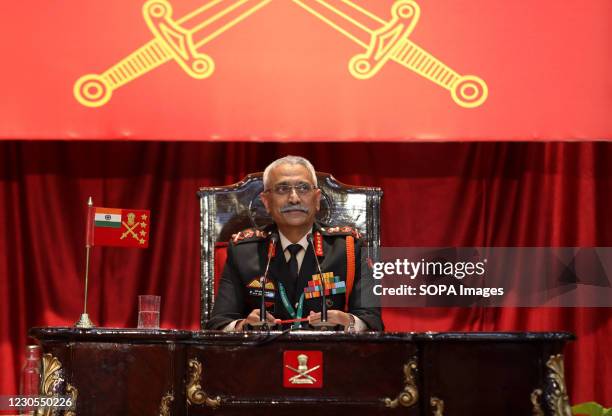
{"x": 291, "y": 199}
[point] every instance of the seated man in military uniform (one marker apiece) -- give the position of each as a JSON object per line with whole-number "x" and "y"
{"x": 293, "y": 288}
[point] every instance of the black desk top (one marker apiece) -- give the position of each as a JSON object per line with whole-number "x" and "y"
{"x": 204, "y": 337}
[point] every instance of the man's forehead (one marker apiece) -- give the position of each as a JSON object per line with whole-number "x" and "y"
{"x": 290, "y": 173}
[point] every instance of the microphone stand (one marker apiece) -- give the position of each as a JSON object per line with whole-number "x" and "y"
{"x": 323, "y": 325}
{"x": 263, "y": 324}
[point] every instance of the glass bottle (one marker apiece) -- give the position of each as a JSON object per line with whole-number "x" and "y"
{"x": 29, "y": 384}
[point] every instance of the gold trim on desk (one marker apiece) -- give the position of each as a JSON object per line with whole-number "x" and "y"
{"x": 554, "y": 393}
{"x": 52, "y": 383}
{"x": 557, "y": 397}
{"x": 437, "y": 405}
{"x": 51, "y": 374}
{"x": 74, "y": 394}
{"x": 410, "y": 394}
{"x": 166, "y": 401}
{"x": 535, "y": 402}
{"x": 195, "y": 393}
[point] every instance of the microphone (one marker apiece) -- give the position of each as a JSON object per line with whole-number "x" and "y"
{"x": 262, "y": 281}
{"x": 323, "y": 325}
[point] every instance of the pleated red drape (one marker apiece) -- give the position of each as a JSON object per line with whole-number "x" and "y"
{"x": 449, "y": 194}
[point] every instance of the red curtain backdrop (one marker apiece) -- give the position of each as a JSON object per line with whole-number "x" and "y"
{"x": 448, "y": 194}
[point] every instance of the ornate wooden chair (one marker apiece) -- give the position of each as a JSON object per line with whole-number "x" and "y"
{"x": 225, "y": 210}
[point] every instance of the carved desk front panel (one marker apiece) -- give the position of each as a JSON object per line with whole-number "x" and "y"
{"x": 170, "y": 372}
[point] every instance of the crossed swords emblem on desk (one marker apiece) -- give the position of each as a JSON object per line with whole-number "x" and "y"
{"x": 303, "y": 372}
{"x": 181, "y": 40}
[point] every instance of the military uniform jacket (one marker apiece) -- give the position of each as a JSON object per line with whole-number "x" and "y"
{"x": 239, "y": 291}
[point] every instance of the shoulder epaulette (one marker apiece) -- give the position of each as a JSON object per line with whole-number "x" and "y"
{"x": 344, "y": 230}
{"x": 250, "y": 234}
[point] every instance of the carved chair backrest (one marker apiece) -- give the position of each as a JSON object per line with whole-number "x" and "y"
{"x": 225, "y": 210}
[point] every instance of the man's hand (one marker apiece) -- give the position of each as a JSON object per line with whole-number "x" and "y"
{"x": 334, "y": 317}
{"x": 254, "y": 318}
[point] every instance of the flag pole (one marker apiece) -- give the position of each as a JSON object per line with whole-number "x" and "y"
{"x": 84, "y": 321}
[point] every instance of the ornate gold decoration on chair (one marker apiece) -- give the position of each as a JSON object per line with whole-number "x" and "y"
{"x": 225, "y": 210}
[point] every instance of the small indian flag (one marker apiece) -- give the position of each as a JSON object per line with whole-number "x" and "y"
{"x": 107, "y": 217}
{"x": 117, "y": 227}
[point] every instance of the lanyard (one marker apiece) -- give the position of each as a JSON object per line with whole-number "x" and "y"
{"x": 289, "y": 307}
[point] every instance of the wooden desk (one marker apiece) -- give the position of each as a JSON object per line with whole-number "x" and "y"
{"x": 169, "y": 372}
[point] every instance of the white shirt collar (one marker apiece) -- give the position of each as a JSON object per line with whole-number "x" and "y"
{"x": 285, "y": 242}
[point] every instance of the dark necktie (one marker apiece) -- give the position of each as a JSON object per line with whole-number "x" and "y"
{"x": 294, "y": 249}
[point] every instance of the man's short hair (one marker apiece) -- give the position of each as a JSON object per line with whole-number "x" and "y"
{"x": 291, "y": 160}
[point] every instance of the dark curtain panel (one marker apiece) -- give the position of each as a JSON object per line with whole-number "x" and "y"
{"x": 446, "y": 194}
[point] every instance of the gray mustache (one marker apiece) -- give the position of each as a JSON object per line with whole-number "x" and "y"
{"x": 297, "y": 207}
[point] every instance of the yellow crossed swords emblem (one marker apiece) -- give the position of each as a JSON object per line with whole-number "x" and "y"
{"x": 174, "y": 39}
{"x": 180, "y": 40}
{"x": 386, "y": 41}
{"x": 302, "y": 376}
{"x": 131, "y": 225}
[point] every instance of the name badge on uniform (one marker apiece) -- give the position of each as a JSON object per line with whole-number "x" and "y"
{"x": 333, "y": 286}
